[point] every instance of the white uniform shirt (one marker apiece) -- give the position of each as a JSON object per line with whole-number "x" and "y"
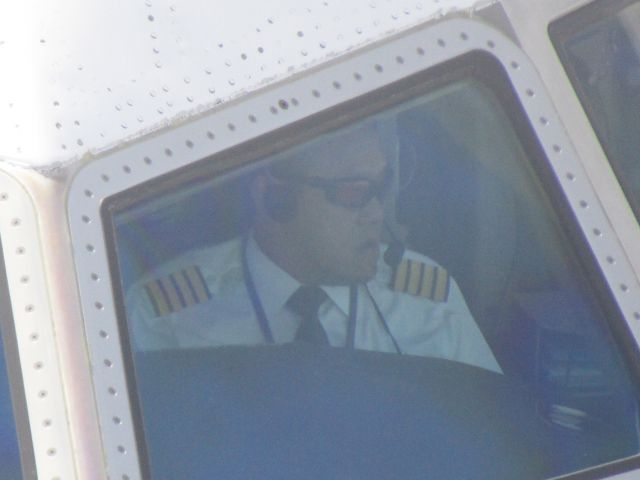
{"x": 419, "y": 326}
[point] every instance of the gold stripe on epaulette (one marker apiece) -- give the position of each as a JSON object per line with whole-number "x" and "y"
{"x": 187, "y": 295}
{"x": 172, "y": 293}
{"x": 400, "y": 276}
{"x": 427, "y": 281}
{"x": 422, "y": 280}
{"x": 197, "y": 282}
{"x": 158, "y": 300}
{"x": 441, "y": 290}
{"x": 177, "y": 291}
{"x": 415, "y": 275}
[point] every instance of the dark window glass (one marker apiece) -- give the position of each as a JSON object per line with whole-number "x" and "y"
{"x": 600, "y": 48}
{"x": 452, "y": 326}
{"x": 10, "y": 460}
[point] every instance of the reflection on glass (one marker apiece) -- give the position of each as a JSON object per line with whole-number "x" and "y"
{"x": 604, "y": 59}
{"x": 393, "y": 299}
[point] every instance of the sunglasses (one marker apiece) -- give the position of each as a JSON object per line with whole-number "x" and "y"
{"x": 351, "y": 192}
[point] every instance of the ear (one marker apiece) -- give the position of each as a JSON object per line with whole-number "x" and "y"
{"x": 273, "y": 199}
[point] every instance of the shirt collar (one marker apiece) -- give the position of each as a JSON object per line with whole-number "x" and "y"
{"x": 275, "y": 286}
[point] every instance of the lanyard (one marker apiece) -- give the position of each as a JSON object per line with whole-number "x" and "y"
{"x": 253, "y": 295}
{"x": 263, "y": 321}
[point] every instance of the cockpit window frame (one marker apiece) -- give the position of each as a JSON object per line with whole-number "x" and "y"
{"x": 42, "y": 419}
{"x": 560, "y": 31}
{"x": 9, "y": 349}
{"x": 233, "y": 137}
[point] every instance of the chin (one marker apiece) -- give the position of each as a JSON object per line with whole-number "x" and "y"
{"x": 365, "y": 274}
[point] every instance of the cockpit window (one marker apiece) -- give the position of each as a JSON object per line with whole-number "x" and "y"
{"x": 10, "y": 465}
{"x": 600, "y": 48}
{"x": 394, "y": 292}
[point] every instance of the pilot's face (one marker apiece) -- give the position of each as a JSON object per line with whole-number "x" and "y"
{"x": 340, "y": 227}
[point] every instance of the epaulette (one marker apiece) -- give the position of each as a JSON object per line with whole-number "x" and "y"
{"x": 177, "y": 291}
{"x": 417, "y": 278}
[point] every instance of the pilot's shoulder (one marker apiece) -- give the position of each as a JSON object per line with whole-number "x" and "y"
{"x": 419, "y": 276}
{"x": 190, "y": 279}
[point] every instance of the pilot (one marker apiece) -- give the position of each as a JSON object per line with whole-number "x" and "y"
{"x": 312, "y": 268}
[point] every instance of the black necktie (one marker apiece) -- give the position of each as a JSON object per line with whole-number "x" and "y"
{"x": 305, "y": 302}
